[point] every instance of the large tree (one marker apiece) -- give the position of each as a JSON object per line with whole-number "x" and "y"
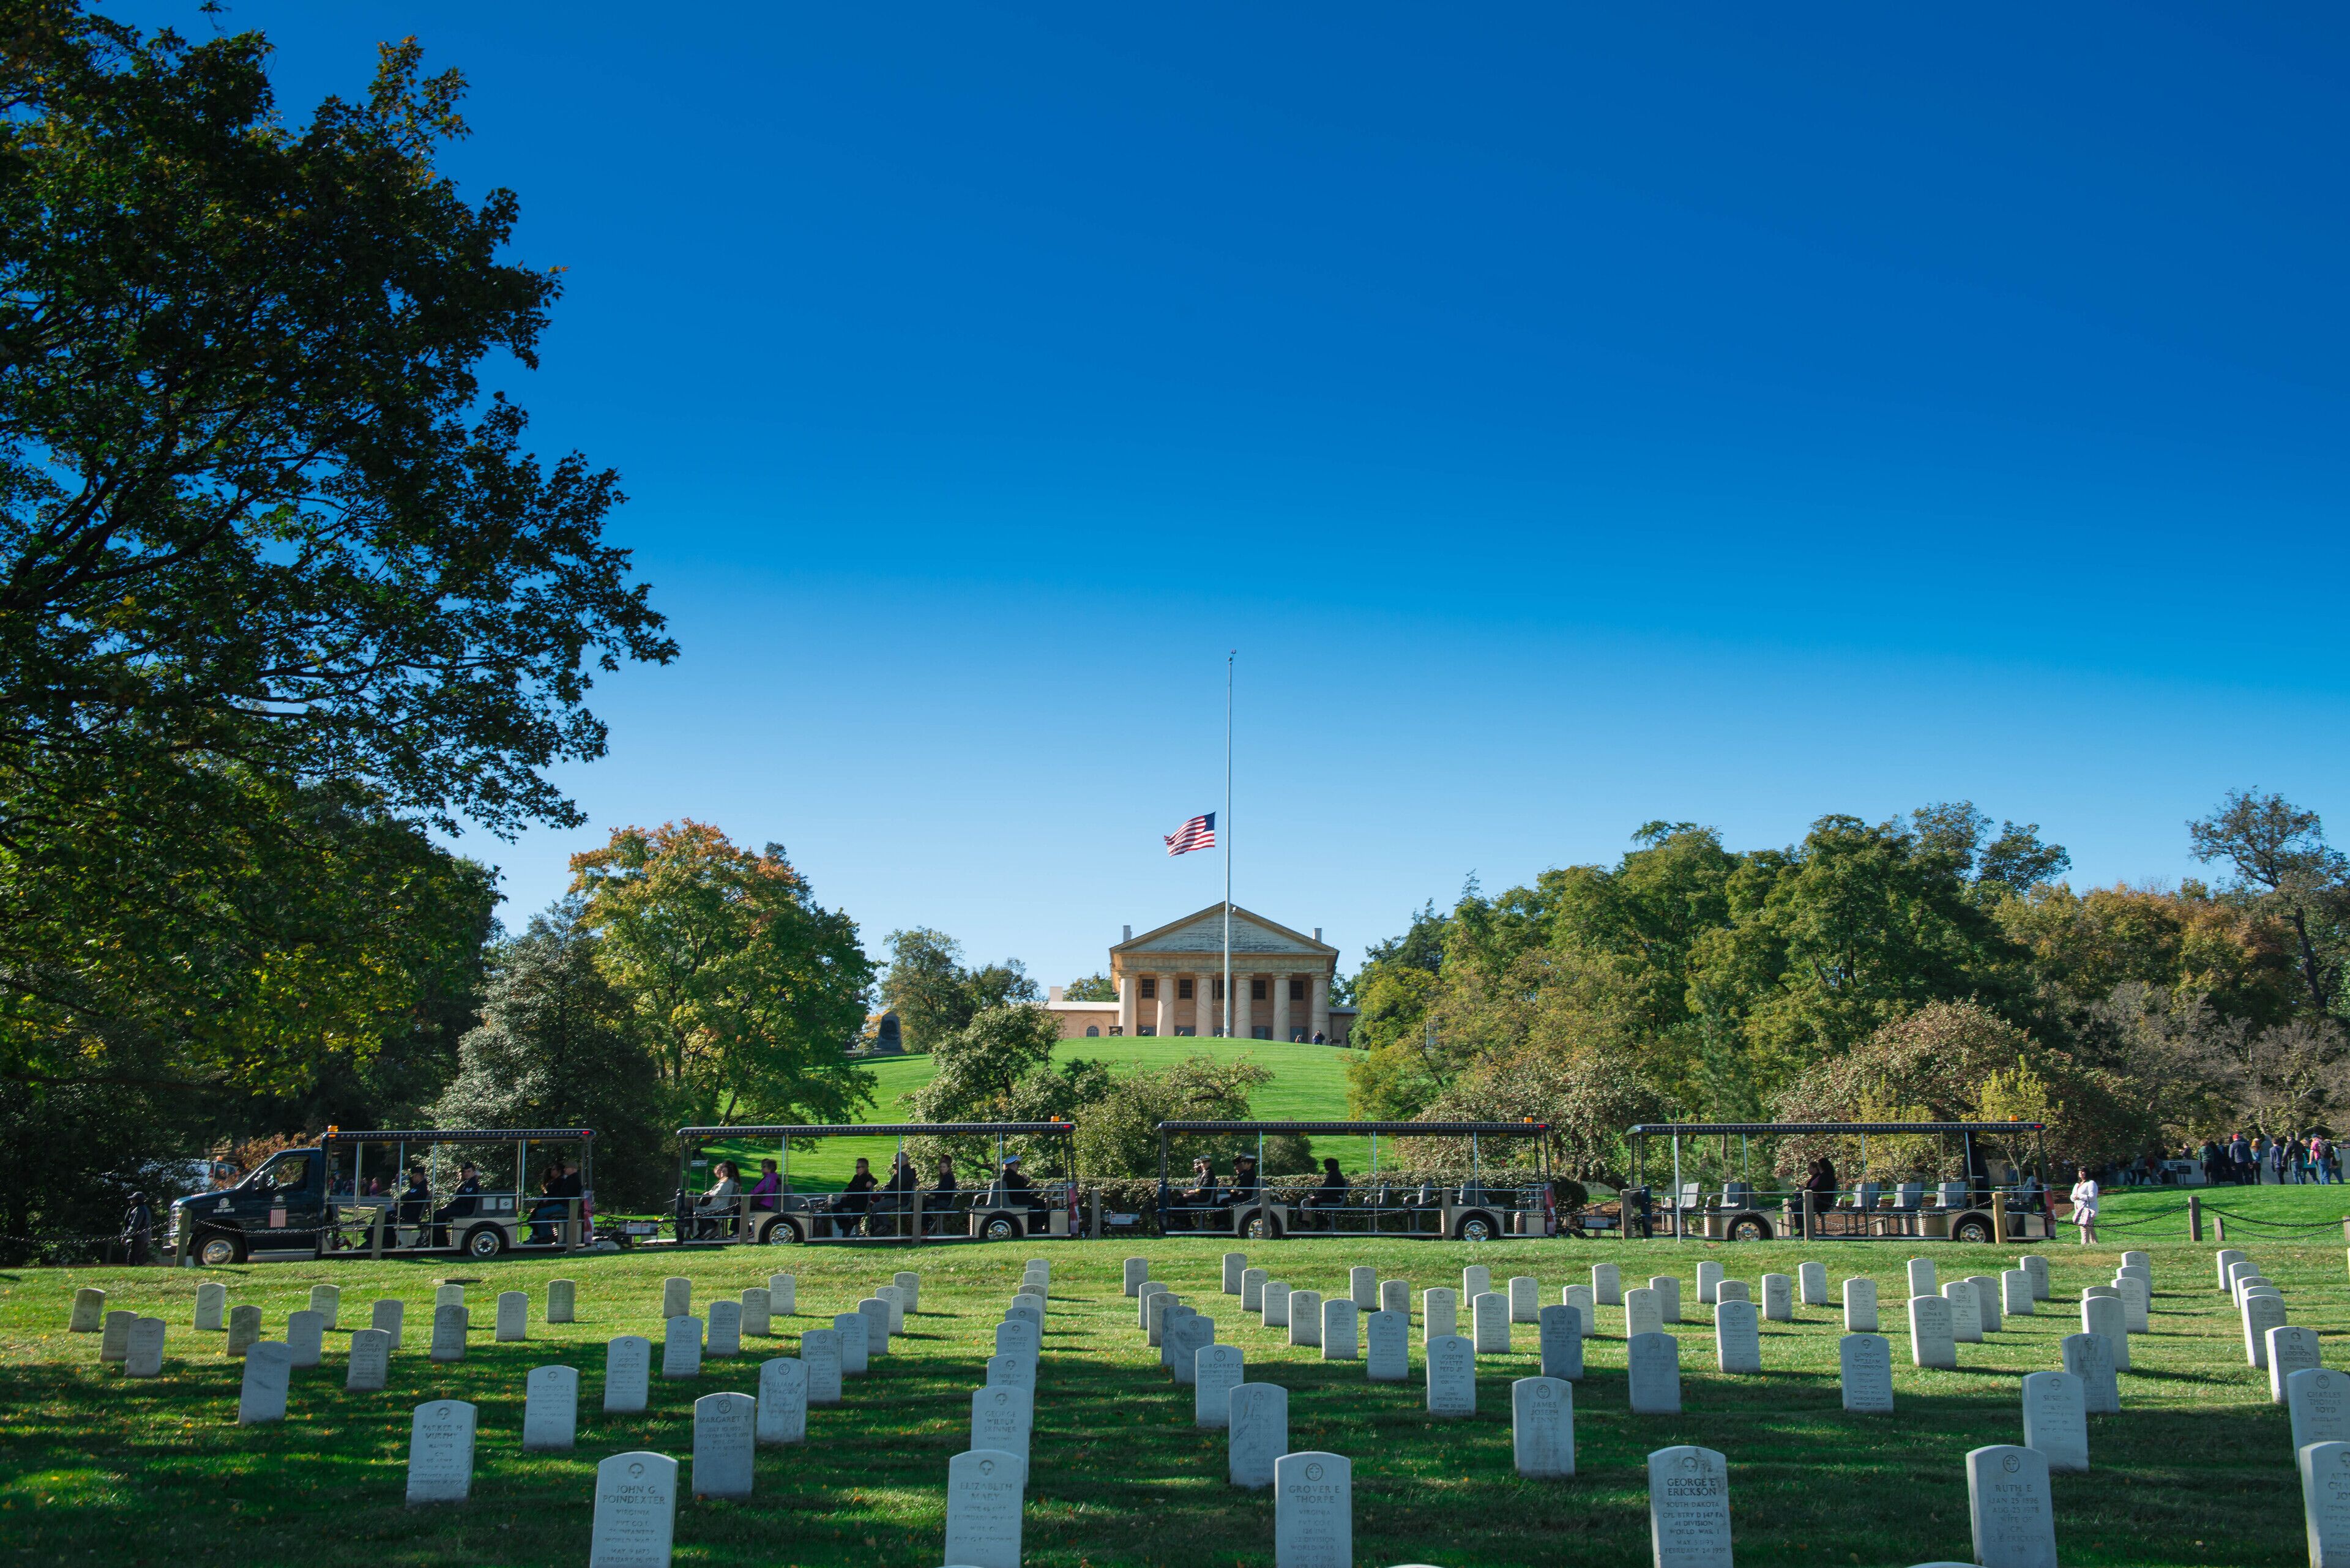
{"x": 2282, "y": 865}
{"x": 935, "y": 997}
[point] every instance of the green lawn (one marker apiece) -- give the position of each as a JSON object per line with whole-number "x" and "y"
{"x": 1309, "y": 1085}
{"x": 2293, "y": 1209}
{"x": 93, "y": 1466}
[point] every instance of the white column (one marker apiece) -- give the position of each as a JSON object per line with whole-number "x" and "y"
{"x": 1322, "y": 1005}
{"x": 1126, "y": 989}
{"x": 1165, "y": 1023}
{"x": 1280, "y": 1004}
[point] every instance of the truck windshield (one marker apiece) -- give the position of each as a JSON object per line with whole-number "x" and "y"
{"x": 289, "y": 1172}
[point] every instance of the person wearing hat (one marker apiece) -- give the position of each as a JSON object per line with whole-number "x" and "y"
{"x": 1017, "y": 1188}
{"x": 138, "y": 1230}
{"x": 1203, "y": 1196}
{"x": 1245, "y": 1182}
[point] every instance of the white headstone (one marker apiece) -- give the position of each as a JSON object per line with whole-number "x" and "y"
{"x": 726, "y": 1431}
{"x": 450, "y": 1295}
{"x": 1560, "y": 1343}
{"x": 2262, "y": 1314}
{"x": 440, "y": 1452}
{"x": 114, "y": 1335}
{"x": 1778, "y": 1298}
{"x": 636, "y": 1512}
{"x": 2318, "y": 1401}
{"x": 1608, "y": 1285}
{"x": 2102, "y": 1315}
{"x": 758, "y": 1316}
{"x": 514, "y": 1316}
{"x": 1339, "y": 1321}
{"x": 1312, "y": 1511}
{"x": 1395, "y": 1295}
{"x": 784, "y": 1295}
{"x": 268, "y": 1370}
{"x": 212, "y": 1301}
{"x": 820, "y": 1354}
{"x": 1216, "y": 1371}
{"x": 1387, "y": 1336}
{"x": 387, "y": 1315}
{"x": 1865, "y": 1362}
{"x": 877, "y": 1324}
{"x": 857, "y": 1349}
{"x": 1000, "y": 1418}
{"x": 1652, "y": 1374}
{"x": 370, "y": 1364}
{"x": 1642, "y": 1313}
{"x": 2008, "y": 1507}
{"x": 627, "y": 1374}
{"x": 1363, "y": 1288}
{"x": 1731, "y": 1291}
{"x": 984, "y": 1498}
{"x": 1859, "y": 1305}
{"x": 910, "y": 1285}
{"x": 448, "y": 1334}
{"x": 2325, "y": 1502}
{"x": 1689, "y": 1509}
{"x": 306, "y": 1333}
{"x": 2137, "y": 1302}
{"x": 1013, "y": 1371}
{"x": 1194, "y": 1334}
{"x": 326, "y": 1301}
{"x": 1931, "y": 1344}
{"x": 563, "y": 1301}
{"x": 1525, "y": 1299}
{"x": 1669, "y": 1296}
{"x": 2290, "y": 1350}
{"x": 244, "y": 1329}
{"x": 1451, "y": 1375}
{"x": 1440, "y": 1308}
{"x": 89, "y": 1315}
{"x": 1252, "y": 1290}
{"x": 2090, "y": 1358}
{"x": 1475, "y": 1281}
{"x": 550, "y": 1409}
{"x": 1017, "y": 1337}
{"x": 2056, "y": 1420}
{"x": 783, "y": 1401}
{"x": 1489, "y": 1323}
{"x": 1257, "y": 1414}
{"x": 1709, "y": 1282}
{"x": 1136, "y": 1270}
{"x": 1966, "y": 1311}
{"x": 1737, "y": 1341}
{"x": 144, "y": 1357}
{"x": 1580, "y": 1298}
{"x": 682, "y": 1348}
{"x": 1812, "y": 1280}
{"x": 1921, "y": 1278}
{"x": 2223, "y": 1258}
{"x": 1542, "y": 1427}
{"x": 1276, "y": 1306}
{"x": 1305, "y": 1317}
{"x": 894, "y": 1299}
{"x": 2016, "y": 1297}
{"x": 1987, "y": 1313}
{"x": 2135, "y": 1259}
{"x": 725, "y": 1334}
{"x": 677, "y": 1297}
{"x": 2035, "y": 1265}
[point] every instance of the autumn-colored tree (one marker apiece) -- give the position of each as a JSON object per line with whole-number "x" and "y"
{"x": 749, "y": 991}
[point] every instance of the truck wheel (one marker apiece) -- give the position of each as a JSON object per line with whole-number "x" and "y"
{"x": 1476, "y": 1226}
{"x": 485, "y": 1242}
{"x": 1971, "y": 1228}
{"x": 999, "y": 1228}
{"x": 219, "y": 1249}
{"x": 1749, "y": 1228}
{"x": 780, "y": 1233}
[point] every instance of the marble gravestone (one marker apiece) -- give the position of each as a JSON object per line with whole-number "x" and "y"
{"x": 550, "y": 1410}
{"x": 677, "y": 1297}
{"x": 1642, "y": 1313}
{"x": 2223, "y": 1258}
{"x": 784, "y": 1295}
{"x": 2090, "y": 1358}
{"x": 725, "y": 1337}
{"x": 876, "y": 1313}
{"x": 1987, "y": 1314}
{"x": 894, "y": 1299}
{"x": 1608, "y": 1285}
{"x": 2016, "y": 1297}
{"x": 1669, "y": 1296}
{"x": 1580, "y": 1298}
{"x": 326, "y": 1301}
{"x": 1966, "y": 1316}
{"x": 369, "y": 1364}
{"x": 1475, "y": 1281}
{"x": 1305, "y": 1317}
{"x": 783, "y": 1401}
{"x": 144, "y": 1357}
{"x": 2325, "y": 1502}
{"x": 2290, "y": 1350}
{"x": 2262, "y": 1314}
{"x": 2037, "y": 1267}
{"x": 211, "y": 1300}
{"x": 1235, "y": 1265}
{"x": 726, "y": 1431}
{"x": 450, "y": 1295}
{"x": 1257, "y": 1420}
{"x": 387, "y": 1315}
{"x": 1731, "y": 1291}
{"x": 1813, "y": 1278}
{"x": 514, "y": 1316}
{"x": 1778, "y": 1298}
{"x": 1561, "y": 1342}
{"x": 1017, "y": 1337}
{"x": 856, "y": 1351}
{"x": 682, "y": 1348}
{"x": 983, "y": 1498}
{"x": 563, "y": 1301}
{"x": 1689, "y": 1509}
{"x": 2056, "y": 1421}
{"x": 1276, "y": 1306}
{"x": 1525, "y": 1299}
{"x": 1737, "y": 1342}
{"x": 1001, "y": 1418}
{"x": 2007, "y": 1508}
{"x": 1216, "y": 1371}
{"x": 440, "y": 1452}
{"x": 1709, "y": 1282}
{"x": 627, "y": 1375}
{"x": 1339, "y": 1322}
{"x": 1489, "y": 1323}
{"x": 1363, "y": 1288}
{"x": 1921, "y": 1278}
{"x": 1451, "y": 1375}
{"x": 1199, "y": 1333}
{"x": 1541, "y": 1427}
{"x": 2136, "y": 1260}
{"x": 1865, "y": 1362}
{"x": 2102, "y": 1315}
{"x": 2318, "y": 1402}
{"x": 1395, "y": 1295}
{"x": 1386, "y": 1337}
{"x": 1439, "y": 1312}
{"x": 1136, "y": 1270}
{"x": 2138, "y": 1301}
{"x": 269, "y": 1370}
{"x": 305, "y": 1334}
{"x": 1170, "y": 1325}
{"x": 910, "y": 1283}
{"x": 244, "y": 1329}
{"x": 1859, "y": 1305}
{"x": 1312, "y": 1511}
{"x": 1252, "y": 1290}
{"x": 1931, "y": 1344}
{"x": 636, "y": 1512}
{"x": 89, "y": 1315}
{"x": 1652, "y": 1374}
{"x": 820, "y": 1354}
{"x": 758, "y": 1315}
{"x": 114, "y": 1335}
{"x": 1013, "y": 1371}
{"x": 449, "y": 1323}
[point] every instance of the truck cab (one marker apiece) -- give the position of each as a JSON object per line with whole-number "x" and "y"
{"x": 280, "y": 1208}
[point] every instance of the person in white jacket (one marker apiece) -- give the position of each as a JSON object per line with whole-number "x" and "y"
{"x": 2084, "y": 1207}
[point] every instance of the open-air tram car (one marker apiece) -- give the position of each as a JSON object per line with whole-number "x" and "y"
{"x": 1471, "y": 1210}
{"x": 1008, "y": 1205}
{"x": 2000, "y": 1193}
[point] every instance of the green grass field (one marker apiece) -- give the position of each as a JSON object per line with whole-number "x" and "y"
{"x": 1309, "y": 1085}
{"x": 2198, "y": 1469}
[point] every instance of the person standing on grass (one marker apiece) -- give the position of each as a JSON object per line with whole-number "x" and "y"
{"x": 138, "y": 1230}
{"x": 2085, "y": 1205}
{"x": 2240, "y": 1158}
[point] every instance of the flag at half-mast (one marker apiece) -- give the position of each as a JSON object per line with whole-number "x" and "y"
{"x": 1200, "y": 832}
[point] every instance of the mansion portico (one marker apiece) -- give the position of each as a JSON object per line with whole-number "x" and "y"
{"x": 1171, "y": 981}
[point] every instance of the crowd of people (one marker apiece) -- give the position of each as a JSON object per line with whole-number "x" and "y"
{"x": 2290, "y": 1160}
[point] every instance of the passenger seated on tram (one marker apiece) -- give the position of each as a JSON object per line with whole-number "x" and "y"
{"x": 1326, "y": 1200}
{"x": 1204, "y": 1194}
{"x": 770, "y": 1186}
{"x": 415, "y": 1204}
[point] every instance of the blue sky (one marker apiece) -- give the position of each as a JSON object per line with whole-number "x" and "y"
{"x": 1572, "y": 415}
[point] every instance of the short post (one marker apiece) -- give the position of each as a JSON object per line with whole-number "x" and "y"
{"x": 375, "y": 1243}
{"x": 1999, "y": 1218}
{"x": 2219, "y": 1227}
{"x": 2194, "y": 1217}
{"x": 1807, "y": 1213}
{"x": 917, "y": 1214}
{"x": 1093, "y": 1214}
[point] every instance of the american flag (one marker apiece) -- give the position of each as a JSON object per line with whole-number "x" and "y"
{"x": 1200, "y": 832}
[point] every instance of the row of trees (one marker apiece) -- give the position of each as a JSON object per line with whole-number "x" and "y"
{"x": 1929, "y": 963}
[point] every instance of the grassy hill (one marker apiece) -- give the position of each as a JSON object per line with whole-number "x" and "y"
{"x": 1309, "y": 1085}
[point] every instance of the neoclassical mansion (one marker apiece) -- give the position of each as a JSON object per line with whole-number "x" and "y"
{"x": 1171, "y": 981}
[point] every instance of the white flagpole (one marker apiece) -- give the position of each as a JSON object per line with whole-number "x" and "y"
{"x": 1228, "y": 843}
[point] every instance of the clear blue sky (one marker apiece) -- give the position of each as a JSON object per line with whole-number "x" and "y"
{"x": 1573, "y": 416}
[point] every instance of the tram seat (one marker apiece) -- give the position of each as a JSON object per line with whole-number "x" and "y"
{"x": 1909, "y": 1197}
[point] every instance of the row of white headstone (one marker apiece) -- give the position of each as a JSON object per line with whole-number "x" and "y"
{"x": 987, "y": 1483}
